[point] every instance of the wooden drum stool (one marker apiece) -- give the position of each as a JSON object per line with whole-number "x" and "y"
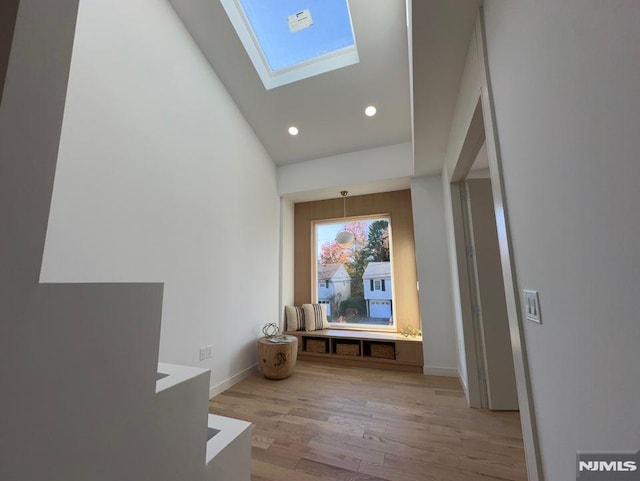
{"x": 277, "y": 359}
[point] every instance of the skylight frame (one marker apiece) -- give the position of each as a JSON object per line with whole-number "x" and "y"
{"x": 309, "y": 68}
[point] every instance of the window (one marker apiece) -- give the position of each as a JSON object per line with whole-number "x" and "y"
{"x": 294, "y": 40}
{"x": 361, "y": 274}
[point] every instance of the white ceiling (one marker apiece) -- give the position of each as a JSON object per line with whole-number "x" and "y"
{"x": 442, "y": 31}
{"x": 328, "y": 109}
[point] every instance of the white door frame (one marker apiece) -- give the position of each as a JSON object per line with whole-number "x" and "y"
{"x": 474, "y": 138}
{"x": 474, "y": 299}
{"x": 483, "y": 128}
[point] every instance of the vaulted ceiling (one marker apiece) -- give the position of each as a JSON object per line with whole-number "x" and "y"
{"x": 328, "y": 108}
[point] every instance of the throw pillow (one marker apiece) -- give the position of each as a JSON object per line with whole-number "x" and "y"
{"x": 315, "y": 317}
{"x": 295, "y": 318}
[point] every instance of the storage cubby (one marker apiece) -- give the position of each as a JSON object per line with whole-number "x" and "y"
{"x": 383, "y": 350}
{"x": 379, "y": 349}
{"x": 316, "y": 345}
{"x": 347, "y": 347}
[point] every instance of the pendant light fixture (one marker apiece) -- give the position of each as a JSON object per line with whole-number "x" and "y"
{"x": 345, "y": 237}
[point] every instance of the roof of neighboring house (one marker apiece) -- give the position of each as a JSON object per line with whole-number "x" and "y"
{"x": 332, "y": 271}
{"x": 377, "y": 270}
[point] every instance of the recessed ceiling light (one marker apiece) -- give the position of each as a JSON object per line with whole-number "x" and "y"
{"x": 370, "y": 111}
{"x": 293, "y": 130}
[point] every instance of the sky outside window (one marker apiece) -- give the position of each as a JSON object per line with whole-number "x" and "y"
{"x": 330, "y": 31}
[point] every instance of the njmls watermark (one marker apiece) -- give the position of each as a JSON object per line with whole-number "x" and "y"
{"x": 608, "y": 466}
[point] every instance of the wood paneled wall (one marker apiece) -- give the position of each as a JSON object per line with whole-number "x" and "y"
{"x": 398, "y": 205}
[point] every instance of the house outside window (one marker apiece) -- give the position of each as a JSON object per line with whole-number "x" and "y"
{"x": 355, "y": 283}
{"x": 377, "y": 290}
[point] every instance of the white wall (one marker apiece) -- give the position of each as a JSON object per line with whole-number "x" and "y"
{"x": 367, "y": 171}
{"x": 565, "y": 79}
{"x": 160, "y": 178}
{"x": 436, "y": 310}
{"x": 90, "y": 350}
{"x": 465, "y": 105}
{"x": 287, "y": 258}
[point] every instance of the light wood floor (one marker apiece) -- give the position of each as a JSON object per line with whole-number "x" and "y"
{"x": 332, "y": 423}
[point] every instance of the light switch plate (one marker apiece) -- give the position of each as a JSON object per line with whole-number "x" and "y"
{"x": 531, "y": 306}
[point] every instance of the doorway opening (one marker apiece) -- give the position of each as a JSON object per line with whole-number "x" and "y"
{"x": 494, "y": 358}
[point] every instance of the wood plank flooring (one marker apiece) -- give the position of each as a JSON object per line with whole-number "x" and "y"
{"x": 328, "y": 423}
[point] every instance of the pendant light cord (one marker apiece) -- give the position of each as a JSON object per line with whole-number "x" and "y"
{"x": 344, "y": 194}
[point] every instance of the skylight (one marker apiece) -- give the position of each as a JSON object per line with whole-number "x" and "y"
{"x": 294, "y": 39}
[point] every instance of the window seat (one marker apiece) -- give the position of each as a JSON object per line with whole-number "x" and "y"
{"x": 382, "y": 350}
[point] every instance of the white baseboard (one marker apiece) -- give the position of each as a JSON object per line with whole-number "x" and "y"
{"x": 439, "y": 371}
{"x": 227, "y": 383}
{"x": 465, "y": 388}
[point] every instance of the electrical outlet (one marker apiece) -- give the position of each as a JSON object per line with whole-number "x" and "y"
{"x": 209, "y": 351}
{"x": 532, "y": 306}
{"x": 203, "y": 353}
